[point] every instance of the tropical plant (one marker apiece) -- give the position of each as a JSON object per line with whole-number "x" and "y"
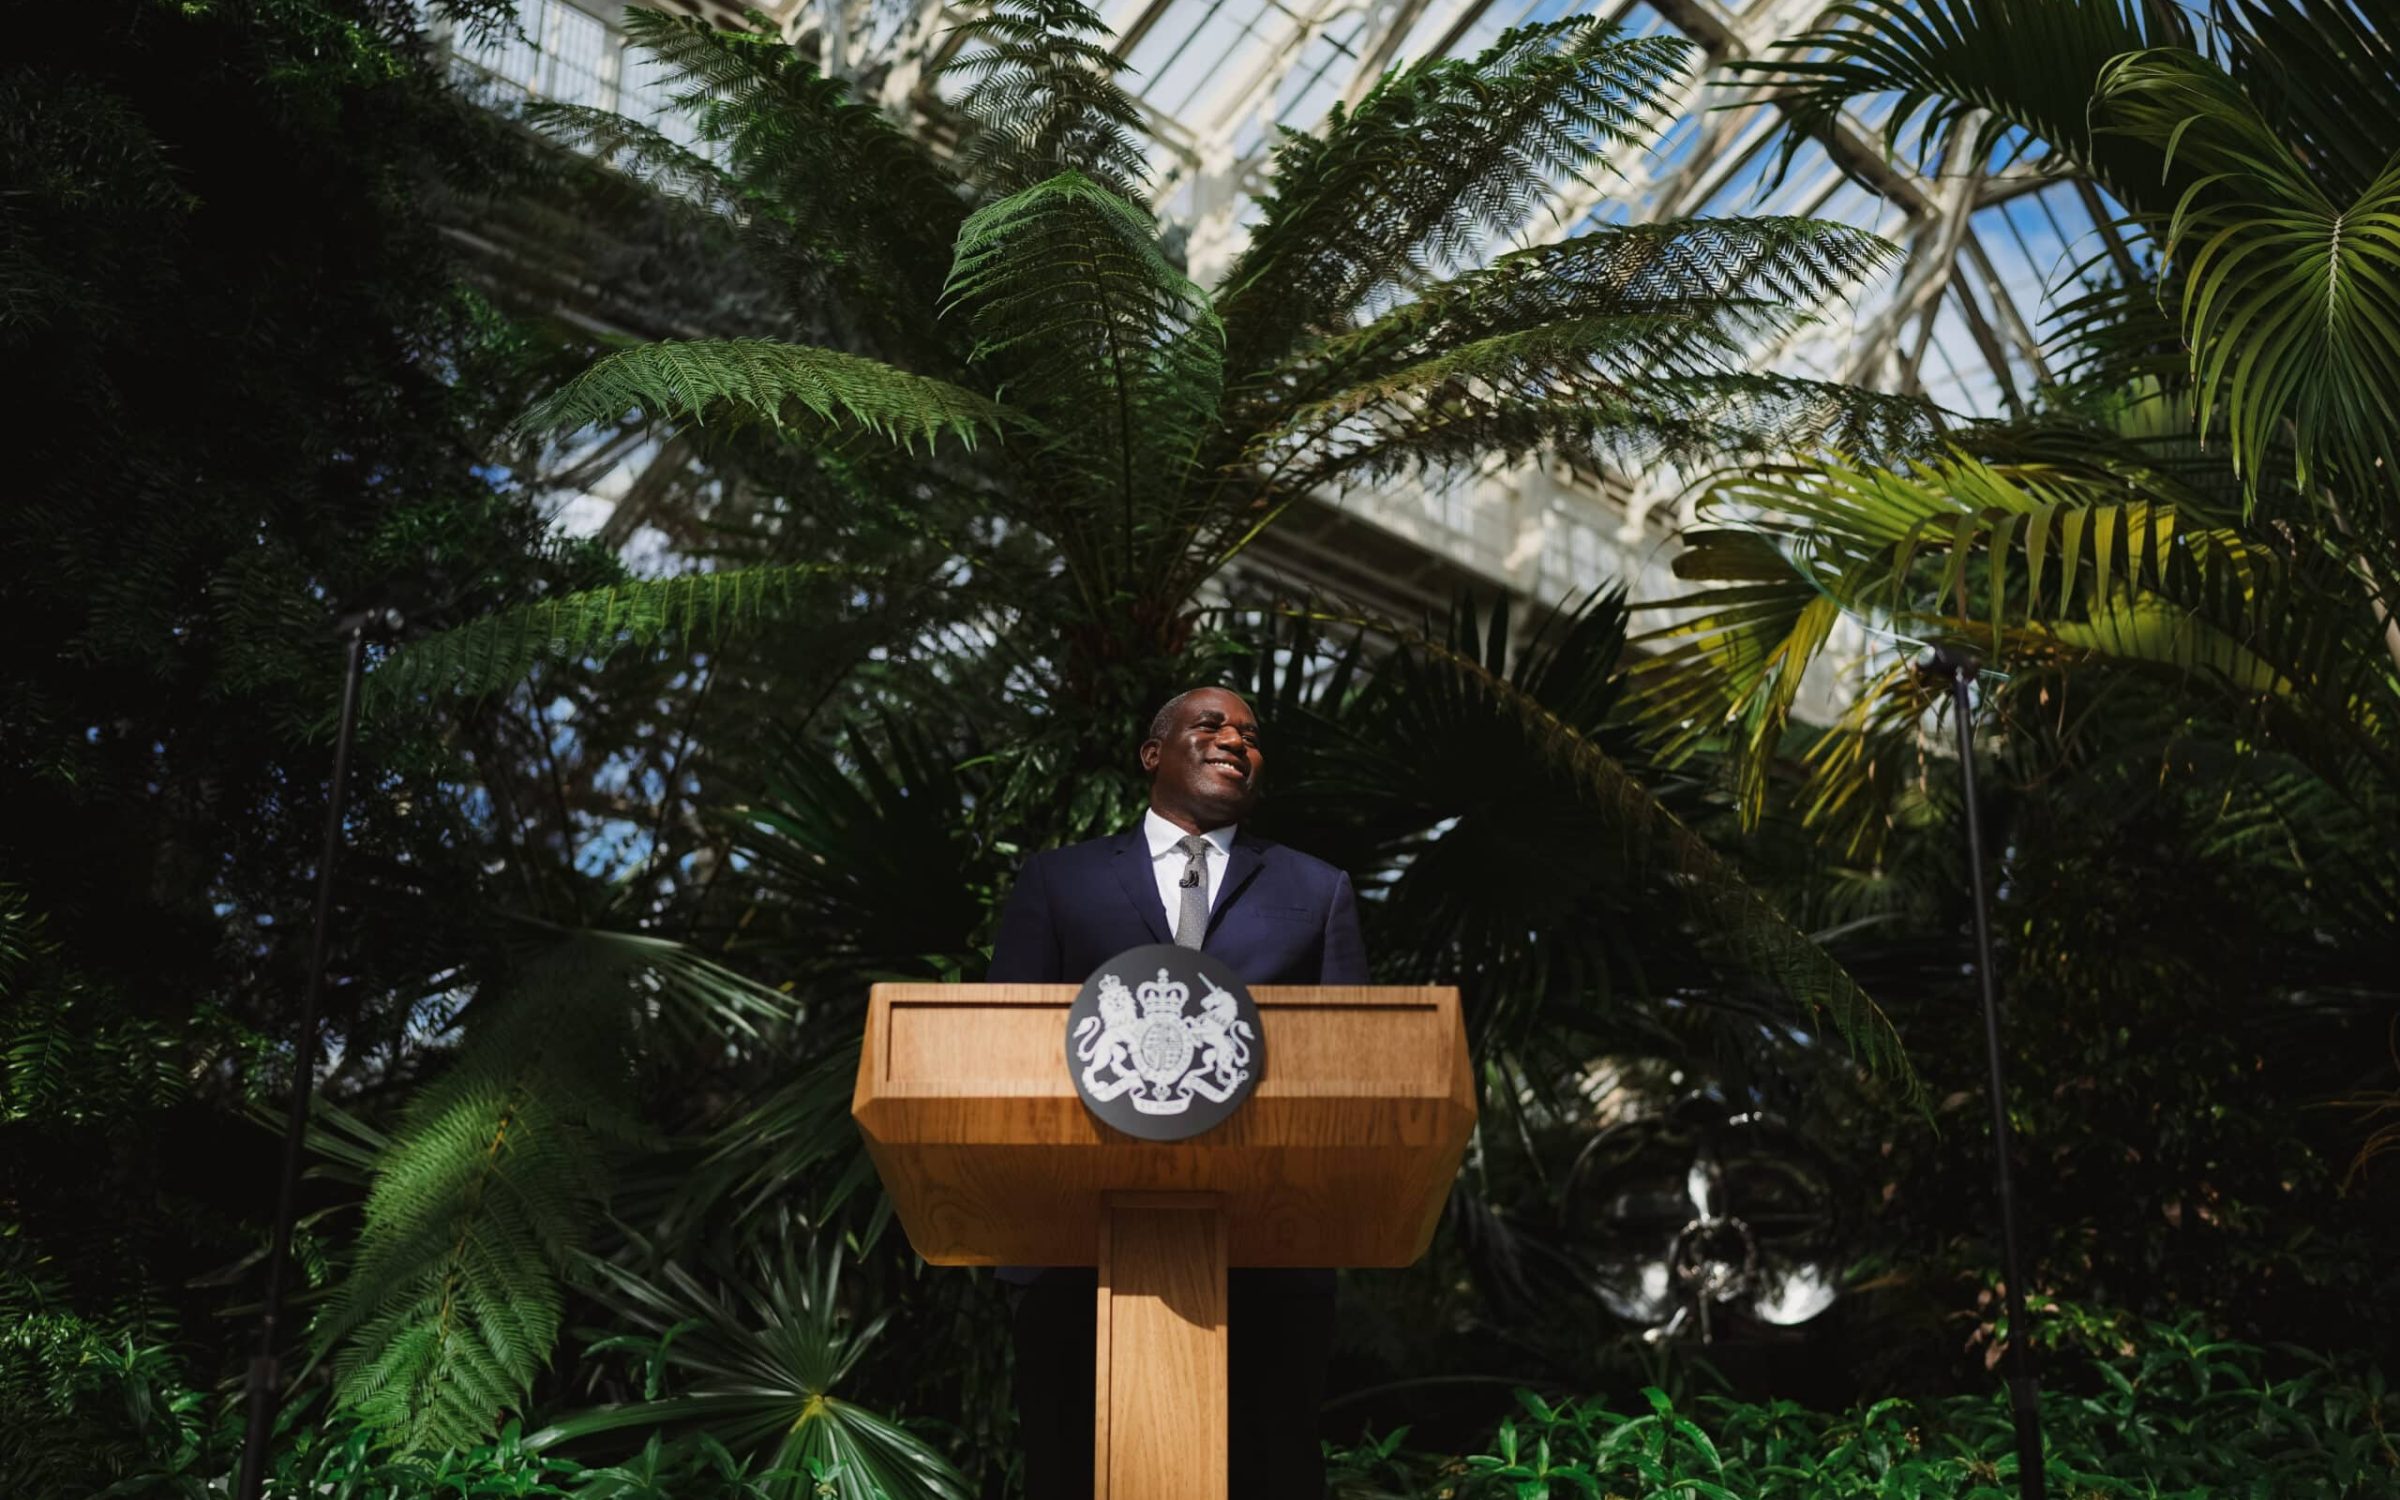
{"x": 1006, "y": 351}
{"x": 495, "y": 1172}
{"x": 2178, "y": 573}
{"x": 2106, "y": 532}
{"x": 757, "y": 1363}
{"x": 2163, "y": 1410}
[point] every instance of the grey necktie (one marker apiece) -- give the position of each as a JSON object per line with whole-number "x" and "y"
{"x": 1192, "y": 924}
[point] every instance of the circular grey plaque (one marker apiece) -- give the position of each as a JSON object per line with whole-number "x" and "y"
{"x": 1164, "y": 1042}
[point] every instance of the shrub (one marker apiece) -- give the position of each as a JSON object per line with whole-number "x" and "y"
{"x": 2173, "y": 1415}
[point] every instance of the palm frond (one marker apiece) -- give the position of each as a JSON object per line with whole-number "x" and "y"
{"x": 795, "y": 389}
{"x": 757, "y": 1361}
{"x": 864, "y": 857}
{"x": 2291, "y": 296}
{"x": 2323, "y": 74}
{"x": 2033, "y": 564}
{"x": 1552, "y": 711}
{"x": 796, "y": 1150}
{"x": 497, "y": 651}
{"x": 1437, "y": 161}
{"x": 1975, "y": 80}
{"x": 1043, "y": 98}
{"x": 1759, "y": 938}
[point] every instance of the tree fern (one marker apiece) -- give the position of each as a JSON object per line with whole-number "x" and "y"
{"x": 1115, "y": 351}
{"x": 1732, "y": 279}
{"x": 760, "y": 380}
{"x": 640, "y": 151}
{"x": 1523, "y": 395}
{"x": 1621, "y": 345}
{"x": 841, "y": 199}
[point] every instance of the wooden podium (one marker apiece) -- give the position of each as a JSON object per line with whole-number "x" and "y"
{"x": 1342, "y": 1156}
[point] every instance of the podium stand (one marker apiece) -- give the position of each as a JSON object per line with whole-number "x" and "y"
{"x": 1342, "y": 1156}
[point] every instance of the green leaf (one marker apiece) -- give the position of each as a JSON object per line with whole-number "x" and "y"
{"x": 1438, "y": 159}
{"x": 498, "y": 651}
{"x": 779, "y": 385}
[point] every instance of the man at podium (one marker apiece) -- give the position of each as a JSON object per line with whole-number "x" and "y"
{"x": 1187, "y": 875}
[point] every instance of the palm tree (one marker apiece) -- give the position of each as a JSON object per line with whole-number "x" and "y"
{"x": 2210, "y": 502}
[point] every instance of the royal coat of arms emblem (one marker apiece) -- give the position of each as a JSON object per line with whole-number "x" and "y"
{"x": 1163, "y": 1042}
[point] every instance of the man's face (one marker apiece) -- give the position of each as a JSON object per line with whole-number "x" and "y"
{"x": 1205, "y": 772}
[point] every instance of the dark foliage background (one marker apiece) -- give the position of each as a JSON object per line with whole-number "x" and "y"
{"x": 585, "y": 1214}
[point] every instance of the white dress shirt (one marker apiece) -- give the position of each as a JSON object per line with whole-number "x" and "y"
{"x": 1167, "y": 861}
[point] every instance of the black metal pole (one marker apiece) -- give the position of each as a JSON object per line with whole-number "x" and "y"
{"x": 264, "y": 1388}
{"x": 2024, "y": 1394}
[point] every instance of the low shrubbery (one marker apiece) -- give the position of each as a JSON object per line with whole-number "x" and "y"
{"x": 2172, "y": 1414}
{"x": 2167, "y": 1413}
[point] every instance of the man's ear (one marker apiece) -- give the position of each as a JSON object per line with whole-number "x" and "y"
{"x": 1149, "y": 756}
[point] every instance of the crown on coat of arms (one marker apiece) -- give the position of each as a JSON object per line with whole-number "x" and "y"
{"x": 1163, "y": 998}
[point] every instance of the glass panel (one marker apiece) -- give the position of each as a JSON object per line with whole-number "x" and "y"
{"x": 579, "y": 55}
{"x": 508, "y": 54}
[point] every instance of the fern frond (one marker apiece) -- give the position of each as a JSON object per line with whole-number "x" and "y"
{"x": 483, "y": 1192}
{"x": 1529, "y": 394}
{"x": 1109, "y": 347}
{"x": 496, "y": 652}
{"x": 1437, "y": 161}
{"x": 1735, "y": 278}
{"x": 22, "y": 933}
{"x": 1043, "y": 98}
{"x": 452, "y": 1303}
{"x": 762, "y": 380}
{"x": 638, "y": 150}
{"x": 840, "y": 195}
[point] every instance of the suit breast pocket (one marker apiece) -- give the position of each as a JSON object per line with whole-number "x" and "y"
{"x": 1298, "y": 915}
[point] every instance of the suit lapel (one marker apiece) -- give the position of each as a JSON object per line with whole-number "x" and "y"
{"x": 1132, "y": 867}
{"x": 1240, "y": 868}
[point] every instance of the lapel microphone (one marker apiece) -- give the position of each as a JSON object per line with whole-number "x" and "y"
{"x": 1191, "y": 877}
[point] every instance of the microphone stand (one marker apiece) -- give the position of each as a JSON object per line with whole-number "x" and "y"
{"x": 1958, "y": 669}
{"x": 263, "y": 1389}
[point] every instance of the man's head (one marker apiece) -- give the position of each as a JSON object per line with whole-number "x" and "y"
{"x": 1203, "y": 759}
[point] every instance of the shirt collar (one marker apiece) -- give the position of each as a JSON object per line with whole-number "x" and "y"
{"x": 1163, "y": 835}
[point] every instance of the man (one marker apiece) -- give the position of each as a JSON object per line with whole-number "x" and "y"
{"x": 1188, "y": 875}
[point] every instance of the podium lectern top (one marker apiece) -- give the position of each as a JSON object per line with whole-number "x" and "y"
{"x": 1343, "y": 1156}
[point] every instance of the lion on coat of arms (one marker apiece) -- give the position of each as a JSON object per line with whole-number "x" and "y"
{"x": 1143, "y": 1047}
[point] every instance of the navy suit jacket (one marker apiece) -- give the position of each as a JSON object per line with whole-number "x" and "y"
{"x": 1280, "y": 917}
